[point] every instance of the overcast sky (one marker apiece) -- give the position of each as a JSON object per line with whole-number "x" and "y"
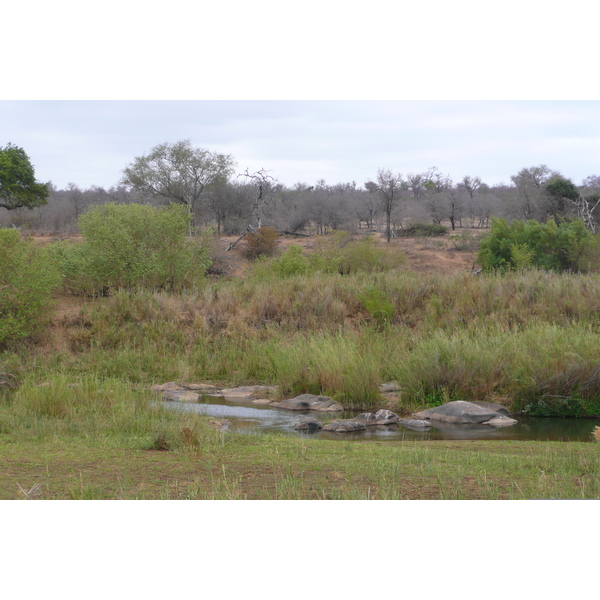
{"x": 90, "y": 142}
{"x": 317, "y": 92}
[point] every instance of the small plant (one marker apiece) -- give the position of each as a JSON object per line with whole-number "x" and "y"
{"x": 262, "y": 242}
{"x": 379, "y": 307}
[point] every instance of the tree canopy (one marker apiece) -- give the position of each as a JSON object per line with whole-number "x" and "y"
{"x": 18, "y": 187}
{"x": 179, "y": 172}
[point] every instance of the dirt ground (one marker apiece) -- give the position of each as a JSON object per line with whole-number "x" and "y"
{"x": 439, "y": 254}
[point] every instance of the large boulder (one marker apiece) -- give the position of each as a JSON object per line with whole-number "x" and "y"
{"x": 502, "y": 410}
{"x": 344, "y": 426}
{"x": 468, "y": 413}
{"x": 381, "y": 417}
{"x": 458, "y": 411}
{"x": 309, "y": 402}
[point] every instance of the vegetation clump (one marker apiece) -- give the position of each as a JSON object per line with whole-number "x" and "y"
{"x": 566, "y": 246}
{"x": 132, "y": 247}
{"x": 338, "y": 253}
{"x": 27, "y": 280}
{"x": 262, "y": 242}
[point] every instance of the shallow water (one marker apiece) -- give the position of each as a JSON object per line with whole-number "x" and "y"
{"x": 251, "y": 418}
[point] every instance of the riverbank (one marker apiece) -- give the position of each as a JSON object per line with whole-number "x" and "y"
{"x": 277, "y": 468}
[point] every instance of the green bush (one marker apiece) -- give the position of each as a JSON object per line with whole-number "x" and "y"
{"x": 378, "y": 305}
{"x": 133, "y": 247}
{"x": 530, "y": 244}
{"x": 27, "y": 280}
{"x": 291, "y": 262}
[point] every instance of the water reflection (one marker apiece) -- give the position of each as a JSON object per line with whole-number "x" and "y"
{"x": 258, "y": 418}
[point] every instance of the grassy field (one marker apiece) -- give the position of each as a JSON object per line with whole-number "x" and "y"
{"x": 81, "y": 423}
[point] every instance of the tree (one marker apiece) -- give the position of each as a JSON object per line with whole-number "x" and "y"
{"x": 560, "y": 190}
{"x": 529, "y": 183}
{"x": 178, "y": 172}
{"x": 389, "y": 185}
{"x": 18, "y": 187}
{"x": 264, "y": 184}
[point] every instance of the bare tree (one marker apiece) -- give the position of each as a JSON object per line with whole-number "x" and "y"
{"x": 389, "y": 185}
{"x": 263, "y": 183}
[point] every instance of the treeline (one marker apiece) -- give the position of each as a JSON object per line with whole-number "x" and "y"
{"x": 232, "y": 201}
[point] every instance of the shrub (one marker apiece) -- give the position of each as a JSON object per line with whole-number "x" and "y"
{"x": 343, "y": 255}
{"x": 262, "y": 242}
{"x": 291, "y": 262}
{"x": 423, "y": 230}
{"x": 133, "y": 247}
{"x": 378, "y": 305}
{"x": 27, "y": 280}
{"x": 524, "y": 244}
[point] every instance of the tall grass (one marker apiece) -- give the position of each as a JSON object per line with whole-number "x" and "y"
{"x": 105, "y": 412}
{"x": 529, "y": 339}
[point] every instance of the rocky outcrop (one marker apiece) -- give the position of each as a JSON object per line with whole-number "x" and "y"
{"x": 309, "y": 402}
{"x": 381, "y": 417}
{"x": 309, "y": 424}
{"x": 465, "y": 413}
{"x": 344, "y": 426}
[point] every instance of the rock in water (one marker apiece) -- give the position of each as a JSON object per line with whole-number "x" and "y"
{"x": 381, "y": 417}
{"x": 416, "y": 424}
{"x": 308, "y": 424}
{"x": 501, "y": 421}
{"x": 309, "y": 402}
{"x": 344, "y": 426}
{"x": 458, "y": 411}
{"x": 180, "y": 396}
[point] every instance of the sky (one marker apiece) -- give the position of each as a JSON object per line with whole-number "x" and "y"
{"x": 307, "y": 94}
{"x": 90, "y": 142}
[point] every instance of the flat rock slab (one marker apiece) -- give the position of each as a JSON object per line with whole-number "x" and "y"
{"x": 416, "y": 424}
{"x": 309, "y": 402}
{"x": 458, "y": 411}
{"x": 172, "y": 386}
{"x": 308, "y": 424}
{"x": 249, "y": 391}
{"x": 344, "y": 426}
{"x": 501, "y": 421}
{"x": 381, "y": 417}
{"x": 180, "y": 396}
